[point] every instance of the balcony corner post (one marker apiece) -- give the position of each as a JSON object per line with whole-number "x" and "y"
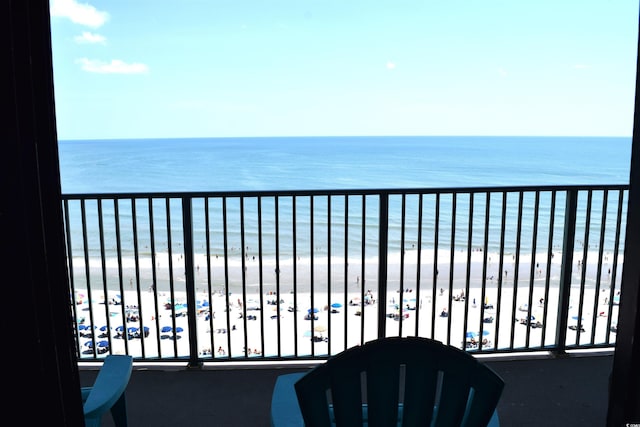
{"x": 187, "y": 230}
{"x": 566, "y": 268}
{"x": 383, "y": 238}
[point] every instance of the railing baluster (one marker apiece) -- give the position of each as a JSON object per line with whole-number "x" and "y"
{"x": 516, "y": 266}
{"x": 154, "y": 286}
{"x": 116, "y": 214}
{"x": 583, "y": 267}
{"x": 171, "y": 278}
{"x": 418, "y": 306}
{"x": 550, "y": 255}
{"x": 362, "y": 266}
{"x": 436, "y": 234}
{"x": 383, "y": 237}
{"x": 227, "y": 285}
{"x": 329, "y": 301}
{"x": 483, "y": 280}
{"x": 103, "y": 268}
{"x": 295, "y": 273}
{"x": 452, "y": 252}
{"x": 277, "y": 243}
{"x": 346, "y": 271}
{"x": 312, "y": 272}
{"x": 467, "y": 278}
{"x": 136, "y": 259}
{"x": 402, "y": 254}
{"x": 243, "y": 263}
{"x": 614, "y": 268}
{"x": 260, "y": 274}
{"x": 503, "y": 219}
{"x": 596, "y": 299}
{"x": 532, "y": 266}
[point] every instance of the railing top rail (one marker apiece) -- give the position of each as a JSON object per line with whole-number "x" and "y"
{"x": 357, "y": 191}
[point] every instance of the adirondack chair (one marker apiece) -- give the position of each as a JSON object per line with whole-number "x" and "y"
{"x": 391, "y": 382}
{"x": 108, "y": 392}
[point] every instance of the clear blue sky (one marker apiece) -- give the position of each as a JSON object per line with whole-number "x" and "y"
{"x": 207, "y": 68}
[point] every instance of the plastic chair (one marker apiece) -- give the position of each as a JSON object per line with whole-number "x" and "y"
{"x": 391, "y": 382}
{"x": 108, "y": 392}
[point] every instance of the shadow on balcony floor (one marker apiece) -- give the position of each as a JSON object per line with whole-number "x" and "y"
{"x": 568, "y": 391}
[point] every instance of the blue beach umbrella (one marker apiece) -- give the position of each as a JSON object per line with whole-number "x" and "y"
{"x": 313, "y": 310}
{"x": 474, "y": 334}
{"x": 89, "y": 344}
{"x": 103, "y": 343}
{"x": 336, "y": 305}
{"x": 179, "y": 329}
{"x": 307, "y": 334}
{"x": 166, "y": 329}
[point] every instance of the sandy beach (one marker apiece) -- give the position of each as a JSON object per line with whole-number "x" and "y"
{"x": 231, "y": 318}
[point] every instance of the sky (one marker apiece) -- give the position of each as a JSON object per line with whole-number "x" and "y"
{"x": 245, "y": 68}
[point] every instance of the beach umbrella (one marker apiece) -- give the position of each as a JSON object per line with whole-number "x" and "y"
{"x": 103, "y": 343}
{"x": 166, "y": 329}
{"x": 179, "y": 329}
{"x": 320, "y": 328}
{"x": 313, "y": 310}
{"x": 89, "y": 344}
{"x": 103, "y": 328}
{"x": 306, "y": 334}
{"x": 83, "y": 327}
{"x": 474, "y": 334}
{"x": 336, "y": 305}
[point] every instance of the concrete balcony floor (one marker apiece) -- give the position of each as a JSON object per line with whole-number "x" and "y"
{"x": 540, "y": 390}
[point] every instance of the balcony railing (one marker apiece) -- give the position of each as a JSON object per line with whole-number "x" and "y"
{"x": 294, "y": 275}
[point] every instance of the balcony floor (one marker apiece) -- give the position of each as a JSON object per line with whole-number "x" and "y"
{"x": 540, "y": 390}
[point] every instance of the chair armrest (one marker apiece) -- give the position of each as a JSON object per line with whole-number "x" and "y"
{"x": 109, "y": 385}
{"x": 285, "y": 411}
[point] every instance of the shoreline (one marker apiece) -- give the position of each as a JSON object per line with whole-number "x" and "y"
{"x": 267, "y": 274}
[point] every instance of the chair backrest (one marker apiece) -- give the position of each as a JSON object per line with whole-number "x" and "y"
{"x": 109, "y": 385}
{"x": 401, "y": 382}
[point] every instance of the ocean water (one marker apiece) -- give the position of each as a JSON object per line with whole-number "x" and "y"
{"x": 336, "y": 163}
{"x": 231, "y": 164}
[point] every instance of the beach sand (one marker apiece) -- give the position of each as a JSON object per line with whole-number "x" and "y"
{"x": 223, "y": 333}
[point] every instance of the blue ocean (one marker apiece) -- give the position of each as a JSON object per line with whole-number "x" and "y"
{"x": 245, "y": 164}
{"x": 339, "y": 163}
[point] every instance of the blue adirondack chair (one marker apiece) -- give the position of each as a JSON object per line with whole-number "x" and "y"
{"x": 391, "y": 382}
{"x": 108, "y": 392}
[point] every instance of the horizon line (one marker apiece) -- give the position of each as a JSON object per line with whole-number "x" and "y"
{"x": 339, "y": 136}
